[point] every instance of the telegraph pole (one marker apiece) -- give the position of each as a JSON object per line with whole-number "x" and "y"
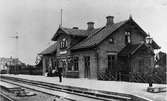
{"x": 16, "y": 37}
{"x": 61, "y": 18}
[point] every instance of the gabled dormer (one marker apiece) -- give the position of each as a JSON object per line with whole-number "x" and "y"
{"x": 75, "y": 31}
{"x": 68, "y": 36}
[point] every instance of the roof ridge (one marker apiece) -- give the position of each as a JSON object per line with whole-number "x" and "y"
{"x": 98, "y": 29}
{"x": 49, "y": 49}
{"x": 73, "y": 29}
{"x": 93, "y": 34}
{"x": 90, "y": 36}
{"x": 98, "y": 34}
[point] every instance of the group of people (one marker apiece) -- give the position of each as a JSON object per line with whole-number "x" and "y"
{"x": 54, "y": 72}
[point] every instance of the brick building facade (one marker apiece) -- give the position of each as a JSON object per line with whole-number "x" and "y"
{"x": 115, "y": 50}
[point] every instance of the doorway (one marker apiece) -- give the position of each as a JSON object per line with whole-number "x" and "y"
{"x": 87, "y": 66}
{"x": 111, "y": 70}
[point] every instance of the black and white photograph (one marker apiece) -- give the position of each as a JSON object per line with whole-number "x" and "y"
{"x": 83, "y": 50}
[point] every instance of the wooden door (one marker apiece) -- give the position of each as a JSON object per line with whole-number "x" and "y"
{"x": 111, "y": 63}
{"x": 87, "y": 66}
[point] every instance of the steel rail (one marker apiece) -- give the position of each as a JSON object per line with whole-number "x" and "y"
{"x": 72, "y": 90}
{"x": 37, "y": 90}
{"x": 5, "y": 96}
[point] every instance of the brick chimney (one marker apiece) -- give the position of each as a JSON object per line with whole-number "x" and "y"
{"x": 90, "y": 25}
{"x": 110, "y": 20}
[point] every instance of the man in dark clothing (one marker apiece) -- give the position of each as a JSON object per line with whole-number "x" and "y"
{"x": 60, "y": 74}
{"x": 150, "y": 80}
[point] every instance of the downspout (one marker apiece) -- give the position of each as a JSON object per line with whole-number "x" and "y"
{"x": 97, "y": 61}
{"x": 43, "y": 65}
{"x": 130, "y": 69}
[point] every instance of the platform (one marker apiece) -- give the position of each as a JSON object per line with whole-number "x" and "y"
{"x": 7, "y": 85}
{"x": 136, "y": 89}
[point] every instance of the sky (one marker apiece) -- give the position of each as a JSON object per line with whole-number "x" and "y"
{"x": 36, "y": 21}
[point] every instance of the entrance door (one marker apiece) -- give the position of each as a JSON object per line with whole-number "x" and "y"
{"x": 111, "y": 66}
{"x": 87, "y": 66}
{"x": 111, "y": 62}
{"x": 125, "y": 70}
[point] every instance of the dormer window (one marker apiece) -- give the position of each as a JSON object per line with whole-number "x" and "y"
{"x": 127, "y": 38}
{"x": 148, "y": 40}
{"x": 63, "y": 43}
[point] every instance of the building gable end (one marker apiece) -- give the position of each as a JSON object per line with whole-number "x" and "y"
{"x": 144, "y": 49}
{"x": 57, "y": 34}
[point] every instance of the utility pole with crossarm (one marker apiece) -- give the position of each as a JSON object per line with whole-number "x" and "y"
{"x": 16, "y": 37}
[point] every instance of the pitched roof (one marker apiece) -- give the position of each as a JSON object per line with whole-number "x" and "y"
{"x": 77, "y": 32}
{"x": 51, "y": 49}
{"x": 95, "y": 36}
{"x": 98, "y": 36}
{"x": 69, "y": 31}
{"x": 155, "y": 45}
{"x": 131, "y": 49}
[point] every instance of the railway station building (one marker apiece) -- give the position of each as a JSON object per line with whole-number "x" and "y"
{"x": 113, "y": 51}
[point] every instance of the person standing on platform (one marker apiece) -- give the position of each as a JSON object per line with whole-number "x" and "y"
{"x": 60, "y": 70}
{"x": 150, "y": 80}
{"x": 60, "y": 74}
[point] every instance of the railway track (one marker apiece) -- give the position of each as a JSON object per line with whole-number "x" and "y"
{"x": 8, "y": 93}
{"x": 4, "y": 97}
{"x": 94, "y": 94}
{"x": 32, "y": 89}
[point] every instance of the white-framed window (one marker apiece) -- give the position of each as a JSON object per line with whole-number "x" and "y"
{"x": 127, "y": 37}
{"x": 73, "y": 64}
{"x": 63, "y": 43}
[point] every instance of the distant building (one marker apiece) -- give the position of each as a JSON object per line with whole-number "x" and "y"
{"x": 11, "y": 65}
{"x": 3, "y": 63}
{"x": 115, "y": 50}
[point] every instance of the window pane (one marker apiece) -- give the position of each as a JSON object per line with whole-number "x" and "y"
{"x": 66, "y": 43}
{"x": 127, "y": 37}
{"x": 76, "y": 63}
{"x": 60, "y": 44}
{"x": 69, "y": 66}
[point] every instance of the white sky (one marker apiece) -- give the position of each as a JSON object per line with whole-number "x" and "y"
{"x": 36, "y": 21}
